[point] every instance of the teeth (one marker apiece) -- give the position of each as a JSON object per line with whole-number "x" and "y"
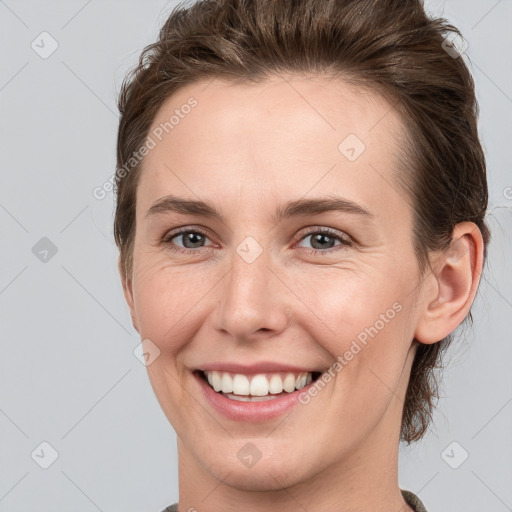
{"x": 214, "y": 380}
{"x": 243, "y": 398}
{"x": 275, "y": 385}
{"x": 226, "y": 383}
{"x": 257, "y": 385}
{"x": 240, "y": 385}
{"x": 289, "y": 383}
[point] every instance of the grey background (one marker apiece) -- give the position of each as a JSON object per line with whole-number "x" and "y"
{"x": 68, "y": 375}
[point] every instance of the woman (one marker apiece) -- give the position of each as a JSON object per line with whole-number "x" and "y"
{"x": 253, "y": 134}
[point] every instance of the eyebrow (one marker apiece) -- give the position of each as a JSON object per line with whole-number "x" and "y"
{"x": 295, "y": 208}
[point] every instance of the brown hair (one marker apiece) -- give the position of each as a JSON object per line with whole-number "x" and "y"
{"x": 391, "y": 46}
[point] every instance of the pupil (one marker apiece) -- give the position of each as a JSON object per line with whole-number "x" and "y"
{"x": 321, "y": 237}
{"x": 197, "y": 238}
{"x": 189, "y": 238}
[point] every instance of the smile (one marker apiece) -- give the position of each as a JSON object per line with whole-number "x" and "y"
{"x": 263, "y": 386}
{"x": 256, "y": 391}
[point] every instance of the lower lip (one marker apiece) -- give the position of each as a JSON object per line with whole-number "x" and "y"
{"x": 250, "y": 411}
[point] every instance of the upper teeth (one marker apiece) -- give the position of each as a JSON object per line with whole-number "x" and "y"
{"x": 257, "y": 385}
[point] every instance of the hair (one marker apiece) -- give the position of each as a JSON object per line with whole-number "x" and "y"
{"x": 389, "y": 46}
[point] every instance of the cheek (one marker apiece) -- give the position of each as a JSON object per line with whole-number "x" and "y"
{"x": 363, "y": 319}
{"x": 334, "y": 305}
{"x": 166, "y": 300}
{"x": 341, "y": 306}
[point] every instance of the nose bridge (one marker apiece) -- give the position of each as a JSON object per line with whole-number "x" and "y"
{"x": 251, "y": 297}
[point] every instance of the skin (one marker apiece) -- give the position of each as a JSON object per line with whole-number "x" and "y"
{"x": 248, "y": 149}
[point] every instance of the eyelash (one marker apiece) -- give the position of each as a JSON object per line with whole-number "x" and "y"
{"x": 345, "y": 241}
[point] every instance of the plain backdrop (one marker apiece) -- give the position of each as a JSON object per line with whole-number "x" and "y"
{"x": 74, "y": 398}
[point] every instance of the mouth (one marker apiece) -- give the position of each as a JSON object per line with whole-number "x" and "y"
{"x": 256, "y": 387}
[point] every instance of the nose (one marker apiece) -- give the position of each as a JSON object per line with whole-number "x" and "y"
{"x": 254, "y": 300}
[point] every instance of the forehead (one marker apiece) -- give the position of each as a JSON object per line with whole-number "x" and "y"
{"x": 286, "y": 135}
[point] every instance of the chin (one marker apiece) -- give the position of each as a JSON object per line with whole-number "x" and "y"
{"x": 264, "y": 478}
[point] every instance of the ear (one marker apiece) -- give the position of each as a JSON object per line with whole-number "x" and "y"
{"x": 128, "y": 292}
{"x": 456, "y": 276}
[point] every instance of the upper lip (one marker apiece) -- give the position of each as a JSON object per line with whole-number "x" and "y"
{"x": 254, "y": 368}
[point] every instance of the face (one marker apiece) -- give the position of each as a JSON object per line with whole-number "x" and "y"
{"x": 300, "y": 260}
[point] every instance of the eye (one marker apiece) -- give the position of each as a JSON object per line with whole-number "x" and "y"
{"x": 322, "y": 240}
{"x": 190, "y": 238}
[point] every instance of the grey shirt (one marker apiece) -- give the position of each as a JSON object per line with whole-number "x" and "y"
{"x": 410, "y": 498}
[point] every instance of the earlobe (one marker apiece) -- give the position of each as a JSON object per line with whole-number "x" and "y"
{"x": 457, "y": 275}
{"x": 128, "y": 292}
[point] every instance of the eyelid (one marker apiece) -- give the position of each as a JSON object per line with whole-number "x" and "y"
{"x": 168, "y": 236}
{"x": 344, "y": 239}
{"x": 327, "y": 231}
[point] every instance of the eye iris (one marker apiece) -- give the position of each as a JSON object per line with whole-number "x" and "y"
{"x": 319, "y": 237}
{"x": 193, "y": 238}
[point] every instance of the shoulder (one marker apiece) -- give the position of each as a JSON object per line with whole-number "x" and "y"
{"x": 171, "y": 508}
{"x": 412, "y": 500}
